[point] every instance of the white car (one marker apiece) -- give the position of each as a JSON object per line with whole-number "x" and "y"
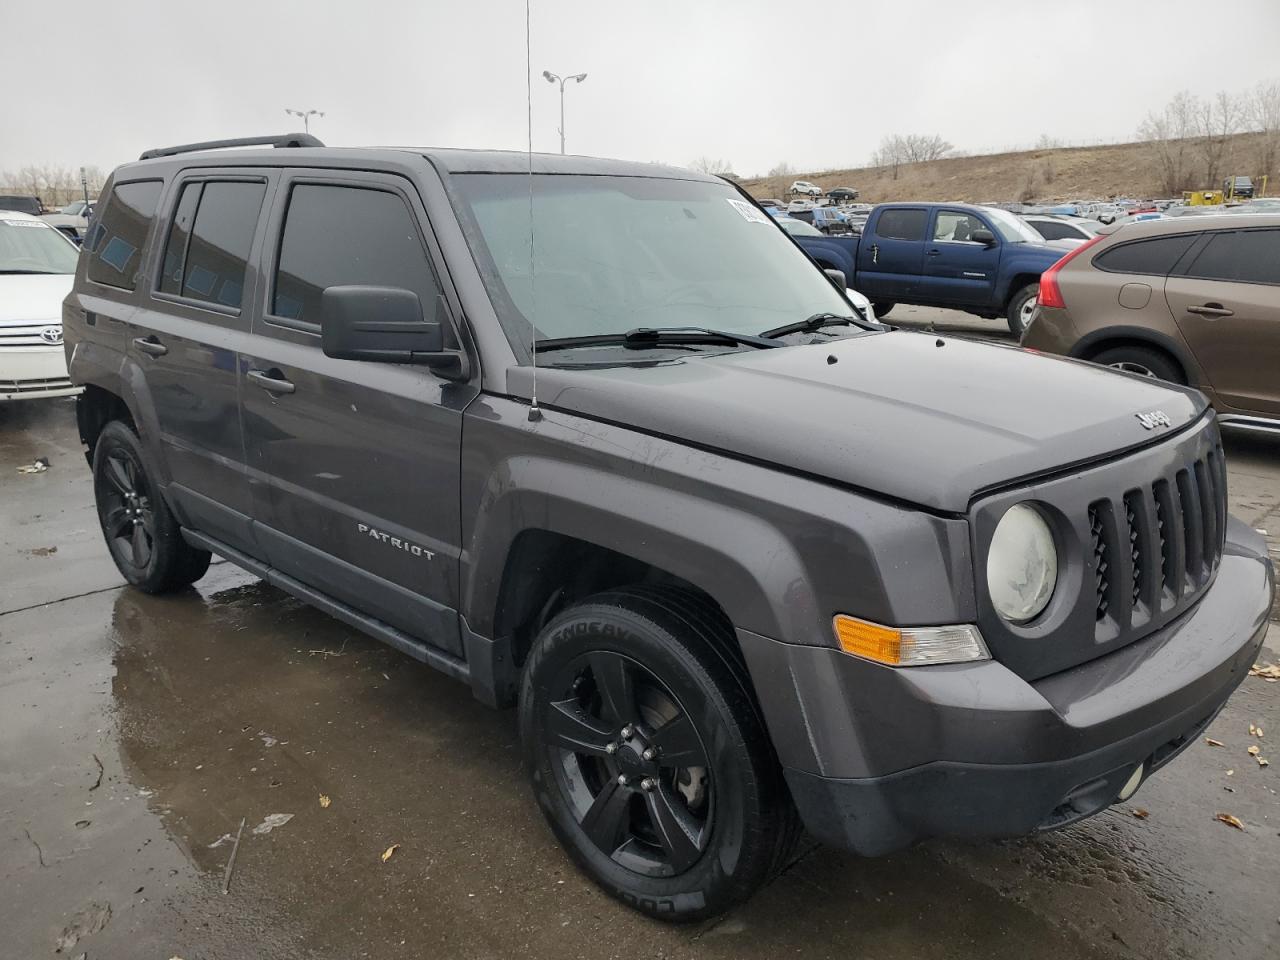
{"x": 72, "y": 219}
{"x": 37, "y": 268}
{"x": 805, "y": 187}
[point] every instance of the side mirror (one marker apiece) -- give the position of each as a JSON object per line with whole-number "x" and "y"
{"x": 983, "y": 236}
{"x": 384, "y": 324}
{"x": 837, "y": 278}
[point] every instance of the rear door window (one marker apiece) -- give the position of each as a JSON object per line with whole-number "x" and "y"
{"x": 221, "y": 235}
{"x": 339, "y": 235}
{"x": 1155, "y": 257}
{"x": 115, "y": 241}
{"x": 902, "y": 224}
{"x": 1239, "y": 256}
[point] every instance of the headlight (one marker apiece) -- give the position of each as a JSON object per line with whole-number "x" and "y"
{"x": 1022, "y": 565}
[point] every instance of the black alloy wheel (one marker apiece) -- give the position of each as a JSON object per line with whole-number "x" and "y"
{"x": 142, "y": 535}
{"x": 632, "y": 764}
{"x": 648, "y": 753}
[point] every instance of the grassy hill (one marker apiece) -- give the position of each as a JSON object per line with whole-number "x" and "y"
{"x": 1061, "y": 173}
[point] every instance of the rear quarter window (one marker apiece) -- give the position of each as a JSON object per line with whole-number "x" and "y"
{"x": 1239, "y": 256}
{"x": 1154, "y": 257}
{"x": 902, "y": 224}
{"x": 116, "y": 239}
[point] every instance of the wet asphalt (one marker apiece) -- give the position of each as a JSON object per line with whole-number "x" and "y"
{"x": 137, "y": 732}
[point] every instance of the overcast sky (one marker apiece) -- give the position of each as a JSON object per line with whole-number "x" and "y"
{"x": 751, "y": 82}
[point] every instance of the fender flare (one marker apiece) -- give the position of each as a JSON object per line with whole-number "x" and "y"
{"x": 741, "y": 561}
{"x": 92, "y": 364}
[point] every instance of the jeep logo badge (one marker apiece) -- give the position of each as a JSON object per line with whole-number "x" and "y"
{"x": 51, "y": 334}
{"x": 1153, "y": 419}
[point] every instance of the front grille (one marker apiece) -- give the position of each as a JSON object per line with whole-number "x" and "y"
{"x": 1157, "y": 546}
{"x": 26, "y": 335}
{"x": 34, "y": 386}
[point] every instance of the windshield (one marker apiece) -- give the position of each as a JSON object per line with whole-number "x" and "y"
{"x": 616, "y": 253}
{"x": 32, "y": 246}
{"x": 1011, "y": 228}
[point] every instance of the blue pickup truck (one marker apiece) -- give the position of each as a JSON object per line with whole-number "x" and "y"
{"x": 982, "y": 260}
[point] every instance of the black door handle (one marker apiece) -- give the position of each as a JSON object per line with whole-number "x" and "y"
{"x": 935, "y": 253}
{"x": 150, "y": 346}
{"x": 1211, "y": 310}
{"x": 272, "y": 380}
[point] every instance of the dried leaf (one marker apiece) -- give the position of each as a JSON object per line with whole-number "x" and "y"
{"x": 1140, "y": 813}
{"x": 386, "y": 854}
{"x": 1259, "y": 733}
{"x": 1263, "y": 761}
{"x": 1268, "y": 672}
{"x": 325, "y": 801}
{"x": 1254, "y": 750}
{"x": 1231, "y": 773}
{"x": 1253, "y": 731}
{"x": 1229, "y": 820}
{"x": 1214, "y": 743}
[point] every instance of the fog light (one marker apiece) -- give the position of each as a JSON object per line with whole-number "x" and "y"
{"x": 1131, "y": 785}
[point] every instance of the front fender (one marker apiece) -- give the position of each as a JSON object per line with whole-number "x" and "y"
{"x": 780, "y": 553}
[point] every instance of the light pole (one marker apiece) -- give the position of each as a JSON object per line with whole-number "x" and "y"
{"x": 306, "y": 116}
{"x": 553, "y": 78}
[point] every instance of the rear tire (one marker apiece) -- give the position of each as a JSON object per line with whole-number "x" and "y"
{"x": 647, "y": 684}
{"x": 1143, "y": 361}
{"x": 142, "y": 535}
{"x": 1021, "y": 307}
{"x": 883, "y": 307}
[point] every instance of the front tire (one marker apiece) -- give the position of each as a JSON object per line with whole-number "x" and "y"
{"x": 142, "y": 535}
{"x": 648, "y": 754}
{"x": 1021, "y": 308}
{"x": 883, "y": 307}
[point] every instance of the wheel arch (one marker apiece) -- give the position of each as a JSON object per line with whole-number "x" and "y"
{"x": 1092, "y": 344}
{"x": 1016, "y": 283}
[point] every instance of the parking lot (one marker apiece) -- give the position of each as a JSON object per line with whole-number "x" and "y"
{"x": 137, "y": 732}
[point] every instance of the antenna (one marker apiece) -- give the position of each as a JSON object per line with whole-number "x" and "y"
{"x": 535, "y": 414}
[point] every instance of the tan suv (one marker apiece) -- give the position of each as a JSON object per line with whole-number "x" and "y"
{"x": 1195, "y": 300}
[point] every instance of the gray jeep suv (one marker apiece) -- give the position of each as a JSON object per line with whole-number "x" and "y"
{"x": 744, "y": 560}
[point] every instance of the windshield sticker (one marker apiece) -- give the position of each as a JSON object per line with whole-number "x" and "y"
{"x": 749, "y": 212}
{"x": 38, "y": 224}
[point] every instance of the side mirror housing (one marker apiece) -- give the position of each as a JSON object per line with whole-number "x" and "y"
{"x": 837, "y": 278}
{"x": 384, "y": 324}
{"x": 984, "y": 237}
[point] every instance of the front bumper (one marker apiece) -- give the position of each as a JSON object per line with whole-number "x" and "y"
{"x": 879, "y": 758}
{"x": 30, "y": 373}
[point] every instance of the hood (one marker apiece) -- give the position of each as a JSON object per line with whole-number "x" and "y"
{"x": 907, "y": 415}
{"x": 1048, "y": 249}
{"x": 33, "y": 297}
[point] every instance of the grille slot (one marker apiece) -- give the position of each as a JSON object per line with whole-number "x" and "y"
{"x": 1101, "y": 567}
{"x": 1139, "y": 542}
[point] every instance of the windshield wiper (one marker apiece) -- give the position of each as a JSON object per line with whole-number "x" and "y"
{"x": 816, "y": 322}
{"x": 643, "y": 337}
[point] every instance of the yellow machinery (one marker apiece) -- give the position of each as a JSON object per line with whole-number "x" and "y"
{"x": 1202, "y": 198}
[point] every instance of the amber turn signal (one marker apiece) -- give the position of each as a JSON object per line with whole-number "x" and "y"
{"x": 909, "y": 646}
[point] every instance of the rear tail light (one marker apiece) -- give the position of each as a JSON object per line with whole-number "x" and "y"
{"x": 1050, "y": 292}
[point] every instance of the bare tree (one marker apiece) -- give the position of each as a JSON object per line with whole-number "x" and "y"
{"x": 897, "y": 149}
{"x": 1217, "y": 121}
{"x": 1262, "y": 112}
{"x": 783, "y": 169}
{"x": 708, "y": 165}
{"x": 1047, "y": 142}
{"x": 1171, "y": 133}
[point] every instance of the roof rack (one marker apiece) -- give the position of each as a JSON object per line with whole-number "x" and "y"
{"x": 279, "y": 140}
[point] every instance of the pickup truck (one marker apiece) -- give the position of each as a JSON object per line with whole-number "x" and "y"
{"x": 982, "y": 260}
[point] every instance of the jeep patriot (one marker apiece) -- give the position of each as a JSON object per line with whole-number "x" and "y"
{"x": 744, "y": 560}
